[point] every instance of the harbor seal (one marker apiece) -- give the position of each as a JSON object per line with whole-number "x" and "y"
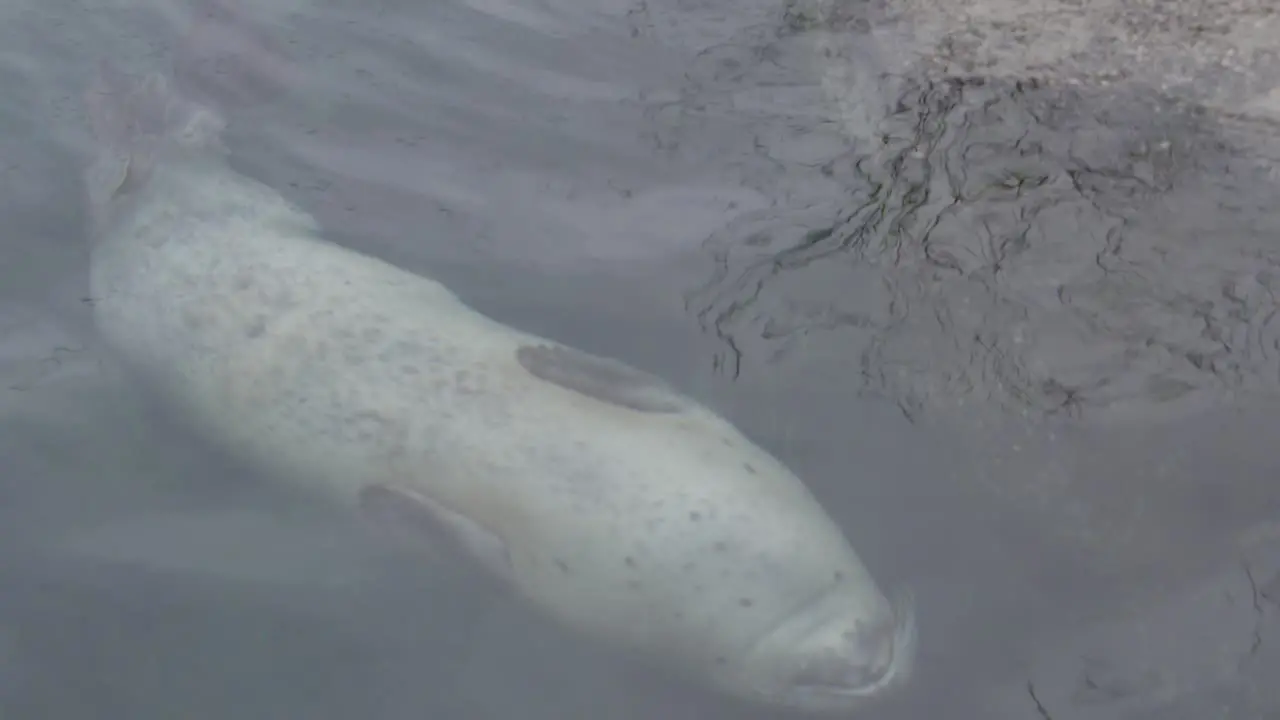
{"x": 616, "y": 506}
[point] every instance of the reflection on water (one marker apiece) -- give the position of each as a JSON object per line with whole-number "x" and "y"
{"x": 1054, "y": 249}
{"x": 1066, "y": 286}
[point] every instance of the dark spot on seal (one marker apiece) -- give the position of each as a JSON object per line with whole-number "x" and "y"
{"x": 838, "y": 576}
{"x": 721, "y": 660}
{"x": 695, "y": 516}
{"x": 631, "y": 562}
{"x": 745, "y": 602}
{"x": 633, "y": 584}
{"x": 603, "y": 379}
{"x": 727, "y": 442}
{"x": 688, "y": 567}
{"x": 721, "y": 546}
{"x": 749, "y": 468}
{"x": 564, "y": 566}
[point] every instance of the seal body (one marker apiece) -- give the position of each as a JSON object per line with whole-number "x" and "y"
{"x": 617, "y": 506}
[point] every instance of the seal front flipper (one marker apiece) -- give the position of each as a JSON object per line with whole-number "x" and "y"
{"x": 603, "y": 379}
{"x": 423, "y": 523}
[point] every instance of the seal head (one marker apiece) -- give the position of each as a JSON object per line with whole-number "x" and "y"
{"x": 830, "y": 655}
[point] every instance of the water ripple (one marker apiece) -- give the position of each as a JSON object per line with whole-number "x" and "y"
{"x": 1050, "y": 248}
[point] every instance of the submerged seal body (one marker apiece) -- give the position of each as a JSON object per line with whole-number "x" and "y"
{"x": 617, "y": 506}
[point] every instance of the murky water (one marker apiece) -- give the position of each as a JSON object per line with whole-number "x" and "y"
{"x": 1004, "y": 297}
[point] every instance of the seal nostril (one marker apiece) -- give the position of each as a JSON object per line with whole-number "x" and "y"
{"x": 824, "y": 671}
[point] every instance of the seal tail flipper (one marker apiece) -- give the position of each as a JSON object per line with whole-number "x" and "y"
{"x": 222, "y": 62}
{"x": 114, "y": 128}
{"x": 422, "y": 523}
{"x": 131, "y": 115}
{"x": 130, "y": 120}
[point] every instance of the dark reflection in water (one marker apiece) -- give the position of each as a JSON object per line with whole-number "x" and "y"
{"x": 1056, "y": 250}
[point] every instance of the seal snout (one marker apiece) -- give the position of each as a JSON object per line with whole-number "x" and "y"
{"x": 873, "y": 645}
{"x": 876, "y": 643}
{"x": 862, "y": 659}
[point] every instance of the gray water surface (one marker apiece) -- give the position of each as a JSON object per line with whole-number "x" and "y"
{"x": 1008, "y": 306}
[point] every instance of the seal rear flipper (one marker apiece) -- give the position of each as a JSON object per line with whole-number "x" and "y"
{"x": 117, "y": 125}
{"x": 604, "y": 379}
{"x": 131, "y": 120}
{"x": 424, "y": 524}
{"x": 132, "y": 115}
